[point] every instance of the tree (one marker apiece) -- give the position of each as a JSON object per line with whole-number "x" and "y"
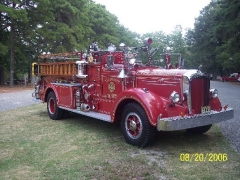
{"x": 214, "y": 41}
{"x": 17, "y": 28}
{"x": 104, "y": 25}
{"x": 12, "y": 13}
{"x": 228, "y": 32}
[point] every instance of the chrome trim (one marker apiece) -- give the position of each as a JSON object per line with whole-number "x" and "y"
{"x": 173, "y": 97}
{"x": 192, "y": 74}
{"x": 212, "y": 91}
{"x": 67, "y": 84}
{"x": 189, "y": 98}
{"x": 36, "y": 92}
{"x": 133, "y": 125}
{"x": 180, "y": 123}
{"x": 96, "y": 115}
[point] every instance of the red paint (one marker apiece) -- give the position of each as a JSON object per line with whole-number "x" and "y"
{"x": 105, "y": 93}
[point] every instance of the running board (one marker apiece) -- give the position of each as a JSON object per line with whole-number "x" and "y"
{"x": 96, "y": 115}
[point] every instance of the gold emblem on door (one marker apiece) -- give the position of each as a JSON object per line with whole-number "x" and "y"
{"x": 111, "y": 87}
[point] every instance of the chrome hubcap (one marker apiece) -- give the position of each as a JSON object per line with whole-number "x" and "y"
{"x": 133, "y": 125}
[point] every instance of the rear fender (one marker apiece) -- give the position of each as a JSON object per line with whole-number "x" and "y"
{"x": 152, "y": 103}
{"x": 48, "y": 89}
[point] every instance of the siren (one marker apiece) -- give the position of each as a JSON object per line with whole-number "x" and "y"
{"x": 148, "y": 41}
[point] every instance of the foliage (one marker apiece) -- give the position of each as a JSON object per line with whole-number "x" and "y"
{"x": 215, "y": 39}
{"x": 161, "y": 41}
{"x": 29, "y": 28}
{"x": 18, "y": 29}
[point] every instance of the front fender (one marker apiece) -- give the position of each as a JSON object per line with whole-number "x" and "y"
{"x": 152, "y": 103}
{"x": 215, "y": 104}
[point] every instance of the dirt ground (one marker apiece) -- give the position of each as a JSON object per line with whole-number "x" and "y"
{"x": 16, "y": 88}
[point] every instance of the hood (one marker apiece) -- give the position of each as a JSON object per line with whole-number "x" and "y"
{"x": 154, "y": 72}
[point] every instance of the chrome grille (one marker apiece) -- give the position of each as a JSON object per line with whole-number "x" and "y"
{"x": 199, "y": 92}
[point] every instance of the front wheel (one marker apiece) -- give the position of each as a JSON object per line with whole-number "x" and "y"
{"x": 135, "y": 126}
{"x": 199, "y": 130}
{"x": 54, "y": 111}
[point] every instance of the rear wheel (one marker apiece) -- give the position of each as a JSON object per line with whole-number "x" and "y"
{"x": 54, "y": 111}
{"x": 135, "y": 126}
{"x": 199, "y": 130}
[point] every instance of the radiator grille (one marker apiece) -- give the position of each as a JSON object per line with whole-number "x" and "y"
{"x": 199, "y": 93}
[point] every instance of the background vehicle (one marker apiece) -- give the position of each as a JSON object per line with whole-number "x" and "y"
{"x": 233, "y": 77}
{"x": 115, "y": 86}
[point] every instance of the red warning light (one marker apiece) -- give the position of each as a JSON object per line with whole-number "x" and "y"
{"x": 148, "y": 41}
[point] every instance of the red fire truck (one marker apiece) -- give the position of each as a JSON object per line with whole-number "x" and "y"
{"x": 115, "y": 86}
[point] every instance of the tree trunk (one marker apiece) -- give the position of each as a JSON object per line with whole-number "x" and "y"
{"x": 12, "y": 54}
{"x": 2, "y": 73}
{"x": 2, "y": 76}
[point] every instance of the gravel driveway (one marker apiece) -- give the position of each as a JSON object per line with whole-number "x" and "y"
{"x": 15, "y": 100}
{"x": 229, "y": 95}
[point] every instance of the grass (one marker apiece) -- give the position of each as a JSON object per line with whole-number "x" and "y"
{"x": 34, "y": 147}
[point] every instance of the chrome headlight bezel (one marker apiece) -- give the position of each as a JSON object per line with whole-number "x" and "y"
{"x": 174, "y": 97}
{"x": 213, "y": 93}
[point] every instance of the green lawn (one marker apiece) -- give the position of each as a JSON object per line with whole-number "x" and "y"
{"x": 34, "y": 147}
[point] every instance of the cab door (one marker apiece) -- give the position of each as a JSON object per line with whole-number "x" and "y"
{"x": 111, "y": 84}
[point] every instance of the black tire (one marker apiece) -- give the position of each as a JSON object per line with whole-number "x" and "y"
{"x": 199, "y": 130}
{"x": 54, "y": 112}
{"x": 135, "y": 126}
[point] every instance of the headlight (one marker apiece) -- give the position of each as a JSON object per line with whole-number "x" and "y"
{"x": 213, "y": 93}
{"x": 175, "y": 97}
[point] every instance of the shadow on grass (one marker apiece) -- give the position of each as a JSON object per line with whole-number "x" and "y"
{"x": 176, "y": 139}
{"x": 42, "y": 114}
{"x": 181, "y": 141}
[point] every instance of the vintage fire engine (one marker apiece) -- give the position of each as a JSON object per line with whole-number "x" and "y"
{"x": 114, "y": 86}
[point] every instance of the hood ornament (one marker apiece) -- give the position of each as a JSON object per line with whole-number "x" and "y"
{"x": 199, "y": 68}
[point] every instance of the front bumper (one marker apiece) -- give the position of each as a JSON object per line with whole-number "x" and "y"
{"x": 180, "y": 123}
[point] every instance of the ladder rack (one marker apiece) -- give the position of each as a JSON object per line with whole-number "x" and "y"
{"x": 58, "y": 69}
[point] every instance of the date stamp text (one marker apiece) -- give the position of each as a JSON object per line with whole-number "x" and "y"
{"x": 203, "y": 157}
